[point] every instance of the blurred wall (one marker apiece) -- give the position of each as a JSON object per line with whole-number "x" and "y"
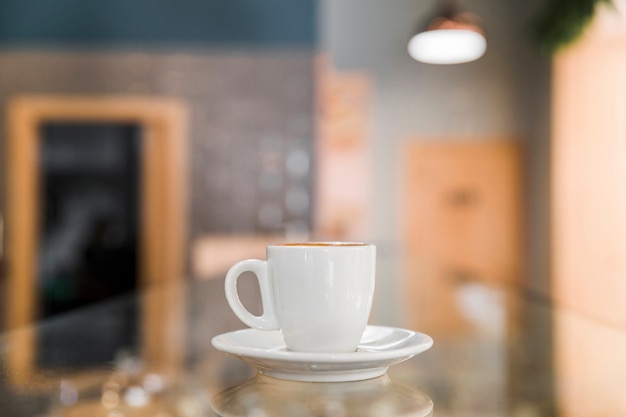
{"x": 247, "y": 115}
{"x": 244, "y": 68}
{"x": 505, "y": 93}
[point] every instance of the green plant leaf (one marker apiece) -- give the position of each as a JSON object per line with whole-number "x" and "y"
{"x": 562, "y": 22}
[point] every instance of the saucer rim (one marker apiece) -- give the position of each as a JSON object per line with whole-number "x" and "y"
{"x": 422, "y": 343}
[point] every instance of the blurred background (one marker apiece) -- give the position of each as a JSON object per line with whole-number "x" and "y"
{"x": 153, "y": 141}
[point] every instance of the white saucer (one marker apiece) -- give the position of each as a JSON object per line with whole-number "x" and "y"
{"x": 380, "y": 348}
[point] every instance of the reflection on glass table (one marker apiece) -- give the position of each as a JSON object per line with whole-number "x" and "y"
{"x": 128, "y": 391}
{"x": 267, "y": 396}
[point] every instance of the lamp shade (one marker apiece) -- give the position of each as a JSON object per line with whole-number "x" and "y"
{"x": 451, "y": 37}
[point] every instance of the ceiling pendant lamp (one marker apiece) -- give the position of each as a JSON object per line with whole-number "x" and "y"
{"x": 451, "y": 37}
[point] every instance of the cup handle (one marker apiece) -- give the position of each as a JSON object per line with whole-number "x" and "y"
{"x": 266, "y": 321}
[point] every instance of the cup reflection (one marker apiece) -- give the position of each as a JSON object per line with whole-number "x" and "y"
{"x": 268, "y": 396}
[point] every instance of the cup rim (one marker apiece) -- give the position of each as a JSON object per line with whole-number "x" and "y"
{"x": 320, "y": 245}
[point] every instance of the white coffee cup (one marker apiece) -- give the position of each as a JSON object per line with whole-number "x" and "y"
{"x": 318, "y": 294}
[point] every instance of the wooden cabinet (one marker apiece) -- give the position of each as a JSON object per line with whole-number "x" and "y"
{"x": 462, "y": 220}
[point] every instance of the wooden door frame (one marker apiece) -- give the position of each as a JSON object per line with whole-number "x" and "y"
{"x": 163, "y": 230}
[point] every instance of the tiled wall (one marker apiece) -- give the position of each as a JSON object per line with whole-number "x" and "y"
{"x": 251, "y": 123}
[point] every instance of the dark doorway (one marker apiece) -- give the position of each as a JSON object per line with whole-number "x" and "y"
{"x": 89, "y": 229}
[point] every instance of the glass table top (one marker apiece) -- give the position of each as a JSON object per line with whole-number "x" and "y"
{"x": 498, "y": 351}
